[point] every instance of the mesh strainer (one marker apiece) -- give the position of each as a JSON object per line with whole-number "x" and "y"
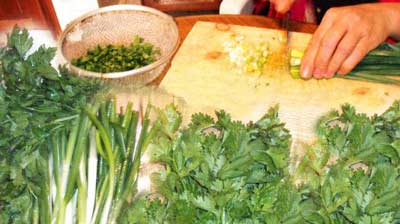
{"x": 118, "y": 25}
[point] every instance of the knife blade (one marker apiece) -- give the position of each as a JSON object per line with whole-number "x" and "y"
{"x": 285, "y": 21}
{"x": 285, "y": 25}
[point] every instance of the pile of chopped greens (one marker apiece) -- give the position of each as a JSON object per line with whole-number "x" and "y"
{"x": 247, "y": 57}
{"x": 118, "y": 58}
{"x": 226, "y": 172}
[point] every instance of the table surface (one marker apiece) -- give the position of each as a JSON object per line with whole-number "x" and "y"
{"x": 185, "y": 24}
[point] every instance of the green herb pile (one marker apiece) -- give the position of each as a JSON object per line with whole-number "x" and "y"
{"x": 216, "y": 171}
{"x": 112, "y": 58}
{"x": 226, "y": 172}
{"x": 381, "y": 65}
{"x": 352, "y": 174}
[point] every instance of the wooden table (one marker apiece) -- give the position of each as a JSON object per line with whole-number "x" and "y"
{"x": 185, "y": 24}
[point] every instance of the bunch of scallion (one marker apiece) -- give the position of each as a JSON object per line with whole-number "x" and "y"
{"x": 94, "y": 165}
{"x": 381, "y": 65}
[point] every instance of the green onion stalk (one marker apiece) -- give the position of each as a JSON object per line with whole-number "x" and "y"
{"x": 94, "y": 165}
{"x": 381, "y": 65}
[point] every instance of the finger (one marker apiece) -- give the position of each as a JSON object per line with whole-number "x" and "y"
{"x": 327, "y": 47}
{"x": 355, "y": 57}
{"x": 343, "y": 50}
{"x": 307, "y": 63}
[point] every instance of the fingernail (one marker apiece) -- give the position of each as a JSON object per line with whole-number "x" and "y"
{"x": 341, "y": 73}
{"x": 318, "y": 73}
{"x": 305, "y": 72}
{"x": 329, "y": 74}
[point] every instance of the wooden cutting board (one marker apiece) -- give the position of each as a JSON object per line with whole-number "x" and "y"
{"x": 202, "y": 77}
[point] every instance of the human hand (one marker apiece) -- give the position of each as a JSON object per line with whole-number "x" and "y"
{"x": 344, "y": 37}
{"x": 282, "y": 6}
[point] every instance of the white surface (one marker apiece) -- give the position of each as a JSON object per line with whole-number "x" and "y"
{"x": 44, "y": 37}
{"x": 236, "y": 7}
{"x": 68, "y": 10}
{"x": 41, "y": 37}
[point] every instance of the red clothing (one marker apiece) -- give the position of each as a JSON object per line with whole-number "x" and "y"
{"x": 301, "y": 10}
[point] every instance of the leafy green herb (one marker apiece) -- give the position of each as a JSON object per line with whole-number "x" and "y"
{"x": 363, "y": 184}
{"x": 218, "y": 171}
{"x": 226, "y": 172}
{"x": 112, "y": 58}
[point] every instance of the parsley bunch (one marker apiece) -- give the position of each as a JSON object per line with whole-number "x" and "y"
{"x": 218, "y": 171}
{"x": 353, "y": 172}
{"x": 226, "y": 172}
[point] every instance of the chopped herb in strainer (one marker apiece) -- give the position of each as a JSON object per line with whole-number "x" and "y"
{"x": 118, "y": 58}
